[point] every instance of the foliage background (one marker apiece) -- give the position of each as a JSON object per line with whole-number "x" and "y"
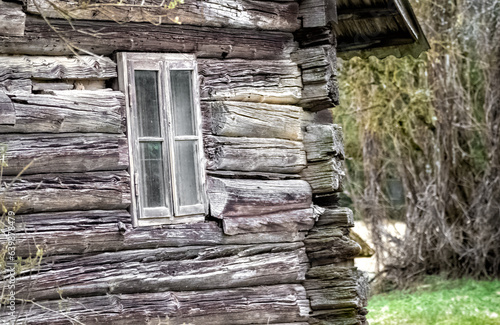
{"x": 431, "y": 123}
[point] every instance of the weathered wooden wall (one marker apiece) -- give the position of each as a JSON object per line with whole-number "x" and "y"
{"x": 270, "y": 252}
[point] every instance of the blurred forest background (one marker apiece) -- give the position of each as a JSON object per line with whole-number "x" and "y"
{"x": 422, "y": 140}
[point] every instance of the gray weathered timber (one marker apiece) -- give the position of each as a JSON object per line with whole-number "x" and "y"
{"x": 318, "y": 13}
{"x": 79, "y": 232}
{"x": 327, "y": 245}
{"x": 287, "y": 221}
{"x": 319, "y": 73}
{"x": 275, "y": 304}
{"x": 335, "y": 290}
{"x": 15, "y": 86}
{"x": 250, "y": 175}
{"x": 7, "y": 111}
{"x": 324, "y": 176}
{"x": 12, "y": 19}
{"x": 68, "y": 191}
{"x": 68, "y": 111}
{"x": 42, "y": 86}
{"x": 265, "y": 15}
{"x": 321, "y": 142}
{"x": 336, "y": 217}
{"x": 254, "y": 154}
{"x": 146, "y": 272}
{"x": 65, "y": 153}
{"x": 245, "y": 197}
{"x": 269, "y": 81}
{"x": 256, "y": 120}
{"x": 47, "y": 67}
{"x": 105, "y": 38}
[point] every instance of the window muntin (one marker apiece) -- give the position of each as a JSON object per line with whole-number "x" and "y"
{"x": 163, "y": 119}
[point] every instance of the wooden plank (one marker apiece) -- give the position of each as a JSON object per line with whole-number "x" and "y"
{"x": 65, "y": 153}
{"x": 289, "y": 221}
{"x": 12, "y": 19}
{"x": 69, "y": 111}
{"x": 274, "y": 304}
{"x": 79, "y": 232}
{"x": 336, "y": 217}
{"x": 318, "y": 13}
{"x": 316, "y": 36}
{"x": 245, "y": 197}
{"x": 313, "y": 13}
{"x": 254, "y": 154}
{"x": 324, "y": 176}
{"x": 327, "y": 245}
{"x": 68, "y": 191}
{"x": 264, "y": 15}
{"x": 256, "y": 120}
{"x": 269, "y": 81}
{"x": 250, "y": 175}
{"x": 7, "y": 111}
{"x": 154, "y": 271}
{"x": 322, "y": 142}
{"x": 105, "y": 38}
{"x": 15, "y": 86}
{"x": 40, "y": 86}
{"x": 47, "y": 67}
{"x": 319, "y": 76}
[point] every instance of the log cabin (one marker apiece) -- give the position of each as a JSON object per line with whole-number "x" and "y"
{"x": 184, "y": 164}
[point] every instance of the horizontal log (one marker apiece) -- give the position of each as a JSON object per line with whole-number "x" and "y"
{"x": 316, "y": 97}
{"x": 336, "y": 288}
{"x": 186, "y": 253}
{"x": 78, "y": 232}
{"x": 336, "y": 217}
{"x": 64, "y": 153}
{"x": 315, "y": 36}
{"x": 105, "y": 38}
{"x": 250, "y": 175}
{"x": 16, "y": 86}
{"x": 153, "y": 271}
{"x": 256, "y": 120}
{"x": 319, "y": 76}
{"x": 245, "y": 197}
{"x": 324, "y": 176}
{"x": 288, "y": 221}
{"x": 345, "y": 297}
{"x": 47, "y": 67}
{"x": 265, "y": 15}
{"x": 69, "y": 111}
{"x": 275, "y": 304}
{"x": 7, "y": 111}
{"x": 326, "y": 245}
{"x": 49, "y": 86}
{"x": 68, "y": 191}
{"x": 318, "y": 13}
{"x": 321, "y": 142}
{"x": 269, "y": 81}
{"x": 343, "y": 316}
{"x": 12, "y": 19}
{"x": 324, "y": 282}
{"x": 254, "y": 154}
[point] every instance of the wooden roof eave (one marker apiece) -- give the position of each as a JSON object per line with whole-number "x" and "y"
{"x": 413, "y": 42}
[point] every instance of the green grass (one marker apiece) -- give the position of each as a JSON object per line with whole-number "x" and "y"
{"x": 439, "y": 302}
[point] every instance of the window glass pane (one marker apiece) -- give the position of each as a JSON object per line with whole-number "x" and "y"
{"x": 182, "y": 102}
{"x": 146, "y": 92}
{"x": 152, "y": 180}
{"x": 186, "y": 165}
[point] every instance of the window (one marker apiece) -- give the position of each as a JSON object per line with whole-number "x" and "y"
{"x": 163, "y": 125}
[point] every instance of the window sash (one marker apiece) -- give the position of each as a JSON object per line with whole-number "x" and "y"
{"x": 175, "y": 211}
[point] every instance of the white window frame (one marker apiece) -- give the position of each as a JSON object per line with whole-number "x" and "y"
{"x": 163, "y": 63}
